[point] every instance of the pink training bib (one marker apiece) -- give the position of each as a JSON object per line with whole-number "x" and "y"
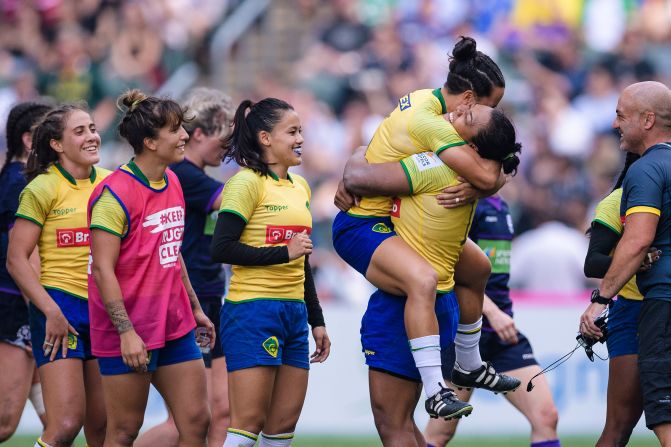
{"x": 148, "y": 268}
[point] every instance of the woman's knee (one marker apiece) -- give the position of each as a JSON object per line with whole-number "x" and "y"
{"x": 421, "y": 282}
{"x": 545, "y": 419}
{"x": 66, "y": 429}
{"x": 7, "y": 429}
{"x": 194, "y": 422}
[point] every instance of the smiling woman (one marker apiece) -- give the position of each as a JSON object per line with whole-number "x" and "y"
{"x": 143, "y": 308}
{"x": 263, "y": 232}
{"x": 52, "y": 216}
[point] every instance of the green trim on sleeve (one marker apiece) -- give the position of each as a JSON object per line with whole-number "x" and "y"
{"x": 607, "y": 225}
{"x": 447, "y": 146}
{"x": 22, "y": 216}
{"x": 100, "y": 227}
{"x": 234, "y": 212}
{"x": 407, "y": 176}
{"x": 438, "y": 94}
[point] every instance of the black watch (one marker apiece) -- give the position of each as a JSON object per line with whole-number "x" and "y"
{"x": 597, "y": 298}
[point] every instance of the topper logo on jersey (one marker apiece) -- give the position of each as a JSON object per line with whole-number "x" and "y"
{"x": 72, "y": 237}
{"x": 170, "y": 222}
{"x": 277, "y": 234}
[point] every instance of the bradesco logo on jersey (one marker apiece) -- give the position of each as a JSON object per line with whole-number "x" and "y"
{"x": 396, "y": 207}
{"x": 277, "y": 234}
{"x": 72, "y": 237}
{"x": 170, "y": 223}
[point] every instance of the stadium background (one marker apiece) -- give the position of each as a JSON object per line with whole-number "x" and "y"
{"x": 343, "y": 64}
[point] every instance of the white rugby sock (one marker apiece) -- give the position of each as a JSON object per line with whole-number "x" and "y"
{"x": 426, "y": 352}
{"x": 467, "y": 346}
{"x": 239, "y": 438}
{"x": 279, "y": 440}
{"x": 41, "y": 443}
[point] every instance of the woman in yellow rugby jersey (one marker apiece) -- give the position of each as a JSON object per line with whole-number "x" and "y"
{"x": 624, "y": 404}
{"x": 263, "y": 232}
{"x": 52, "y": 217}
{"x": 363, "y": 236}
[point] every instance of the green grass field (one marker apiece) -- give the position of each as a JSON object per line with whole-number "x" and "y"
{"x": 29, "y": 441}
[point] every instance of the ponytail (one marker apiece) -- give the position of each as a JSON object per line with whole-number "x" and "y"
{"x": 628, "y": 161}
{"x": 242, "y": 145}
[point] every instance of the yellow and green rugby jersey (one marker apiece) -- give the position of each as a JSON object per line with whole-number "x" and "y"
{"x": 436, "y": 233}
{"x": 275, "y": 210}
{"x": 57, "y": 202}
{"x": 608, "y": 214}
{"x": 108, "y": 214}
{"x": 416, "y": 125}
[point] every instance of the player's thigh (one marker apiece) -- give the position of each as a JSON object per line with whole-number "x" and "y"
{"x": 249, "y": 392}
{"x": 473, "y": 268}
{"x": 126, "y": 409}
{"x": 537, "y": 405}
{"x": 217, "y": 386}
{"x": 63, "y": 391}
{"x": 291, "y": 384}
{"x": 15, "y": 382}
{"x": 625, "y": 399}
{"x": 393, "y": 409}
{"x": 398, "y": 269}
{"x": 184, "y": 389}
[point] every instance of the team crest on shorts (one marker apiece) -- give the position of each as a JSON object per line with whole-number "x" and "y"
{"x": 72, "y": 341}
{"x": 381, "y": 228}
{"x": 271, "y": 346}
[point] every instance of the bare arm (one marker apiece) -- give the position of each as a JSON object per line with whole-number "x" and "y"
{"x": 365, "y": 179}
{"x": 484, "y": 174}
{"x": 105, "y": 249}
{"x": 630, "y": 251}
{"x": 201, "y": 319}
{"x": 22, "y": 245}
{"x": 500, "y": 321}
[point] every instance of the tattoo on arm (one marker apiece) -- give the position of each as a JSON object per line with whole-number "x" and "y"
{"x": 117, "y": 312}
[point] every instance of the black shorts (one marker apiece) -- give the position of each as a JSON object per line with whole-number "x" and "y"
{"x": 14, "y": 327}
{"x": 654, "y": 360}
{"x": 212, "y": 308}
{"x": 504, "y": 357}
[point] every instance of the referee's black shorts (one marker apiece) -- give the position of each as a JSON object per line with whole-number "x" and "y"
{"x": 654, "y": 360}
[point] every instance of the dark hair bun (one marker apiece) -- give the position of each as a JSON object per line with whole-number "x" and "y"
{"x": 465, "y": 49}
{"x": 510, "y": 162}
{"x": 131, "y": 99}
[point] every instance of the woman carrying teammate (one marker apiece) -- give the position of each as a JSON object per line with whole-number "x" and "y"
{"x": 52, "y": 217}
{"x": 143, "y": 308}
{"x": 437, "y": 234}
{"x": 502, "y": 344}
{"x": 364, "y": 237}
{"x": 212, "y": 115}
{"x": 16, "y": 361}
{"x": 263, "y": 232}
{"x": 624, "y": 402}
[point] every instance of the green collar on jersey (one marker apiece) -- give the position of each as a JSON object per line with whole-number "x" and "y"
{"x": 439, "y": 94}
{"x": 276, "y": 178}
{"x": 135, "y": 169}
{"x": 70, "y": 178}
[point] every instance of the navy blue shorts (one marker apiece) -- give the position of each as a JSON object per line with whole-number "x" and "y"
{"x": 623, "y": 327}
{"x": 212, "y": 308}
{"x": 264, "y": 333}
{"x": 383, "y": 338}
{"x": 182, "y": 349}
{"x": 504, "y": 357}
{"x": 355, "y": 239}
{"x": 76, "y": 311}
{"x": 14, "y": 327}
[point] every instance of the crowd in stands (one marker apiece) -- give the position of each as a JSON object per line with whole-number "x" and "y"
{"x": 565, "y": 62}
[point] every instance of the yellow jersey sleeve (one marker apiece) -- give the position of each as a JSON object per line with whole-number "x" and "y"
{"x": 430, "y": 131}
{"x": 242, "y": 194}
{"x": 608, "y": 211}
{"x": 36, "y": 200}
{"x": 427, "y": 173}
{"x": 108, "y": 215}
